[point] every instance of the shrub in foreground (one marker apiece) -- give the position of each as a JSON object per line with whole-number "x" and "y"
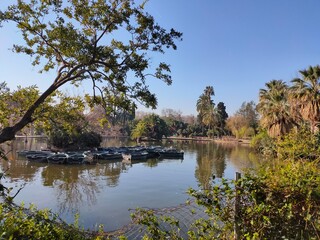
{"x": 263, "y": 144}
{"x": 280, "y": 201}
{"x": 17, "y": 222}
{"x": 299, "y": 144}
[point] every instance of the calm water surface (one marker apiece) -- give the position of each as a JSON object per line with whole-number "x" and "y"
{"x": 104, "y": 193}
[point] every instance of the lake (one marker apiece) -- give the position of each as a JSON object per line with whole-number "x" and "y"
{"x": 104, "y": 193}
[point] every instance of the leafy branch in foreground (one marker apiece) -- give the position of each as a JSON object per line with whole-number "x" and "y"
{"x": 162, "y": 227}
{"x": 17, "y": 222}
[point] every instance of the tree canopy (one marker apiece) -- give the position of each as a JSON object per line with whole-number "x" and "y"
{"x": 14, "y": 103}
{"x": 249, "y": 112}
{"x": 80, "y": 40}
{"x": 275, "y": 109}
{"x": 209, "y": 115}
{"x": 151, "y": 126}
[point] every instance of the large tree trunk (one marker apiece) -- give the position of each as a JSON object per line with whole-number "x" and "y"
{"x": 8, "y": 133}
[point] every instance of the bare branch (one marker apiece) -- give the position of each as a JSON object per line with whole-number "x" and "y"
{"x": 17, "y": 192}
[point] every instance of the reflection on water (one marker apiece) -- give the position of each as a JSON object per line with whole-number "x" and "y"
{"x": 103, "y": 193}
{"x": 72, "y": 184}
{"x": 20, "y": 170}
{"x": 210, "y": 160}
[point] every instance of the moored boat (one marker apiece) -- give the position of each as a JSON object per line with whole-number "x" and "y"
{"x": 135, "y": 155}
{"x": 171, "y": 153}
{"x": 153, "y": 151}
{"x": 24, "y": 153}
{"x": 40, "y": 156}
{"x": 76, "y": 158}
{"x": 59, "y": 158}
{"x": 106, "y": 155}
{"x": 110, "y": 153}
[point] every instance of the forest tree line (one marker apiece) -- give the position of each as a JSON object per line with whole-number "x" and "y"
{"x": 62, "y": 117}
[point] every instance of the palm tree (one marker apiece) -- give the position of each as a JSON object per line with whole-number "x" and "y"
{"x": 275, "y": 109}
{"x": 203, "y": 105}
{"x": 210, "y": 117}
{"x": 206, "y": 108}
{"x": 306, "y": 93}
{"x": 209, "y": 91}
{"x": 204, "y": 102}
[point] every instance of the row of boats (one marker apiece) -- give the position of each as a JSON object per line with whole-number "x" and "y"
{"x": 127, "y": 154}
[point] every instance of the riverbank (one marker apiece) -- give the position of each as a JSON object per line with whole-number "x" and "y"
{"x": 218, "y": 140}
{"x": 225, "y": 139}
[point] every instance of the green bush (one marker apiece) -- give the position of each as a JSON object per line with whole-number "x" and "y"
{"x": 83, "y": 140}
{"x": 301, "y": 144}
{"x": 211, "y": 133}
{"x": 262, "y": 143}
{"x": 152, "y": 223}
{"x": 16, "y": 222}
{"x": 280, "y": 201}
{"x": 88, "y": 140}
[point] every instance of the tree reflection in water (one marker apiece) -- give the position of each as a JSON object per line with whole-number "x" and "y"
{"x": 111, "y": 170}
{"x": 75, "y": 184}
{"x": 210, "y": 161}
{"x": 153, "y": 162}
{"x": 18, "y": 168}
{"x": 243, "y": 157}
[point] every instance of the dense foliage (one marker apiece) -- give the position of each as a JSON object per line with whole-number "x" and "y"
{"x": 283, "y": 107}
{"x": 298, "y": 144}
{"x": 17, "y": 222}
{"x": 276, "y": 112}
{"x": 244, "y": 123}
{"x": 75, "y": 140}
{"x": 281, "y": 200}
{"x": 151, "y": 127}
{"x": 263, "y": 143}
{"x": 14, "y": 103}
{"x": 61, "y": 118}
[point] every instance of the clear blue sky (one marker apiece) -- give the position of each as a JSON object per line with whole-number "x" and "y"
{"x": 234, "y": 46}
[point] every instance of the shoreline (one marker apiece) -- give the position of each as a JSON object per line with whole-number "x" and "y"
{"x": 217, "y": 140}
